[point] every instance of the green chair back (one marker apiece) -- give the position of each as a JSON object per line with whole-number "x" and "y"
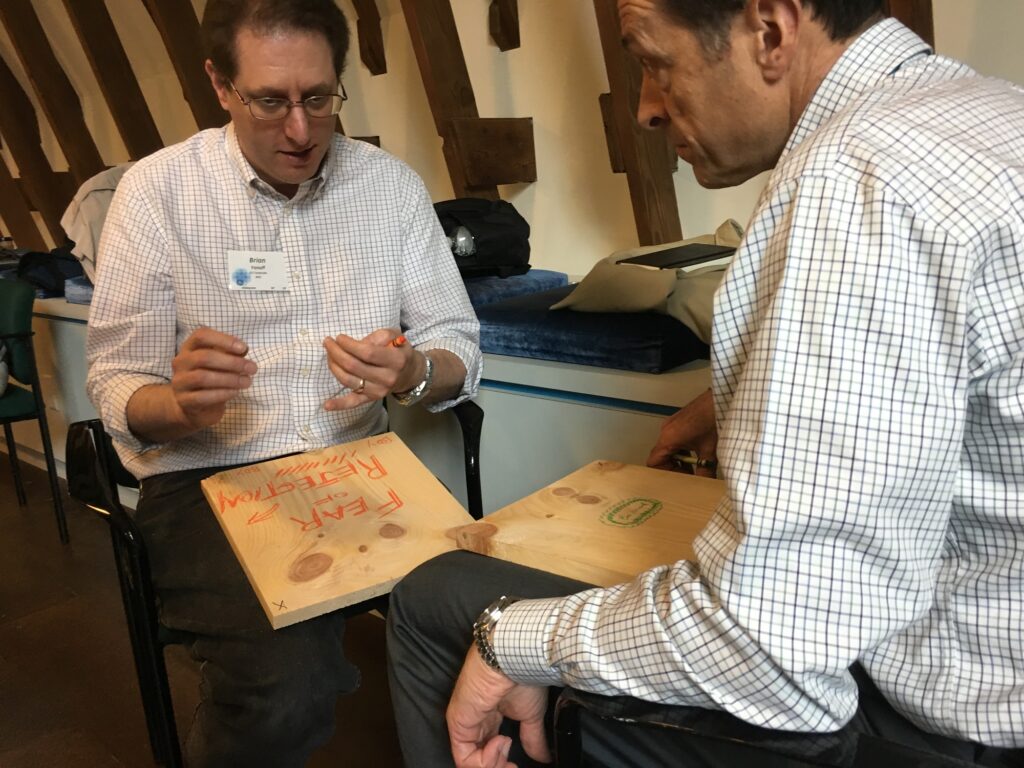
{"x": 16, "y": 300}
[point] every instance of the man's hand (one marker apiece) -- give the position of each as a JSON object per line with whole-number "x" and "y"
{"x": 372, "y": 368}
{"x": 209, "y": 370}
{"x": 690, "y": 428}
{"x": 482, "y": 697}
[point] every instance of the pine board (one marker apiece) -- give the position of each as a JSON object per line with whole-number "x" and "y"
{"x": 602, "y": 524}
{"x": 322, "y": 530}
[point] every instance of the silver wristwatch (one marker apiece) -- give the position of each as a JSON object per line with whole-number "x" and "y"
{"x": 484, "y": 626}
{"x": 420, "y": 391}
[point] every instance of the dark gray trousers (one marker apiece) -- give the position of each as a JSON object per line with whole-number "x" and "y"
{"x": 267, "y": 697}
{"x": 429, "y": 631}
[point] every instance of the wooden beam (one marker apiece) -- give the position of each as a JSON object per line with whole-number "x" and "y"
{"x": 643, "y": 152}
{"x": 916, "y": 14}
{"x": 503, "y": 20}
{"x": 20, "y": 129}
{"x": 435, "y": 40}
{"x": 611, "y": 136}
{"x": 16, "y": 213}
{"x": 56, "y": 96}
{"x": 113, "y": 71}
{"x": 62, "y": 184}
{"x": 495, "y": 150}
{"x": 371, "y": 39}
{"x": 178, "y": 26}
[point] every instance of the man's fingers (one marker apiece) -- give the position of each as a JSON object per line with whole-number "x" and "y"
{"x": 345, "y": 402}
{"x": 348, "y": 368}
{"x": 214, "y": 360}
{"x": 531, "y": 734}
{"x": 374, "y": 350}
{"x": 494, "y": 754}
{"x": 202, "y": 379}
{"x": 213, "y": 339}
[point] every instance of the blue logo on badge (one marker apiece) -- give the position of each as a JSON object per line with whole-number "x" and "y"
{"x": 241, "y": 276}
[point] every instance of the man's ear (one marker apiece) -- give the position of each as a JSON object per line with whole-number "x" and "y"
{"x": 776, "y": 25}
{"x": 220, "y": 87}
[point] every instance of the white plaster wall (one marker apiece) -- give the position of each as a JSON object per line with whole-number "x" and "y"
{"x": 578, "y": 209}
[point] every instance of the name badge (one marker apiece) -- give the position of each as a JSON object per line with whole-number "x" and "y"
{"x": 257, "y": 271}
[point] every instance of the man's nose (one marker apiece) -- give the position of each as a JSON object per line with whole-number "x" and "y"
{"x": 651, "y": 112}
{"x": 296, "y": 125}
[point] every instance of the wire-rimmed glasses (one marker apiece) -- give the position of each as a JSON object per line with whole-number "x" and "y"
{"x": 274, "y": 108}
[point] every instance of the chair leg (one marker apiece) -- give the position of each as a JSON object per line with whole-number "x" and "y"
{"x": 51, "y": 470}
{"x": 12, "y": 453}
{"x": 471, "y": 419}
{"x": 150, "y": 666}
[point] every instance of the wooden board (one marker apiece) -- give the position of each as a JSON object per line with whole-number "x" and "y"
{"x": 325, "y": 529}
{"x": 603, "y": 524}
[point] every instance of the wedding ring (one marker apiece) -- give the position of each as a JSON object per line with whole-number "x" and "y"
{"x": 362, "y": 385}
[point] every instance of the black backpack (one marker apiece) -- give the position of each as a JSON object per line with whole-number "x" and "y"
{"x": 488, "y": 237}
{"x": 49, "y": 270}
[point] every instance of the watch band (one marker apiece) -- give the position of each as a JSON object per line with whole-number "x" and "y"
{"x": 484, "y": 626}
{"x": 421, "y": 390}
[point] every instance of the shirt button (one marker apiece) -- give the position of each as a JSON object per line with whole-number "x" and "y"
{"x": 296, "y": 275}
{"x": 305, "y": 371}
{"x": 303, "y": 332}
{"x": 307, "y": 433}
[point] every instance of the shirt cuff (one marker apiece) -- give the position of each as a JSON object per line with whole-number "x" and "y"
{"x": 114, "y": 410}
{"x": 471, "y": 358}
{"x": 522, "y": 638}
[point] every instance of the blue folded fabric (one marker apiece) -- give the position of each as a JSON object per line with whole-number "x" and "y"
{"x": 635, "y": 341}
{"x": 78, "y": 290}
{"x": 488, "y": 290}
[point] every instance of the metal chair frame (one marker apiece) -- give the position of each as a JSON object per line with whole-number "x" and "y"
{"x": 23, "y": 369}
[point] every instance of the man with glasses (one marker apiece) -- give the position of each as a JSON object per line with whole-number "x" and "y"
{"x": 252, "y": 285}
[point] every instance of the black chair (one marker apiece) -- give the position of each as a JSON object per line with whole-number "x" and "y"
{"x": 577, "y": 711}
{"x": 94, "y": 474}
{"x": 25, "y": 403}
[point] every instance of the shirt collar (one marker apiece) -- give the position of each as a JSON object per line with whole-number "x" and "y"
{"x": 254, "y": 184}
{"x": 876, "y": 54}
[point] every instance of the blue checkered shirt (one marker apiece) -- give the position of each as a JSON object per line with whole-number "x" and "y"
{"x": 868, "y": 375}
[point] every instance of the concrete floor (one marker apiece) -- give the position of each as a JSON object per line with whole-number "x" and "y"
{"x": 68, "y": 693}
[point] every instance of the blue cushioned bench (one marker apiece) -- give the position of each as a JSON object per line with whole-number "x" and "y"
{"x": 523, "y": 326}
{"x": 488, "y": 290}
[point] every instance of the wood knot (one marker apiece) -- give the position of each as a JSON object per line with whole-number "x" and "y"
{"x": 310, "y": 566}
{"x": 391, "y": 531}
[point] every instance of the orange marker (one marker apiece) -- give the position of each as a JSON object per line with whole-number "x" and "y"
{"x": 398, "y": 341}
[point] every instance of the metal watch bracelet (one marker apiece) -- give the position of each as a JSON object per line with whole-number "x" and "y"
{"x": 485, "y": 624}
{"x": 421, "y": 390}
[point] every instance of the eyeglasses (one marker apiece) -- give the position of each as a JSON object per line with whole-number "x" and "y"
{"x": 272, "y": 108}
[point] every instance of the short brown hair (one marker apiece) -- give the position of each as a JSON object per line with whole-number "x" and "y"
{"x": 223, "y": 19}
{"x": 710, "y": 19}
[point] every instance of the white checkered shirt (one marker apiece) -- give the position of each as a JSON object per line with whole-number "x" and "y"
{"x": 364, "y": 250}
{"x": 868, "y": 373}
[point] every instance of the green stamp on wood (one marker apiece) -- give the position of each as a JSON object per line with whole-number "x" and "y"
{"x": 632, "y": 512}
